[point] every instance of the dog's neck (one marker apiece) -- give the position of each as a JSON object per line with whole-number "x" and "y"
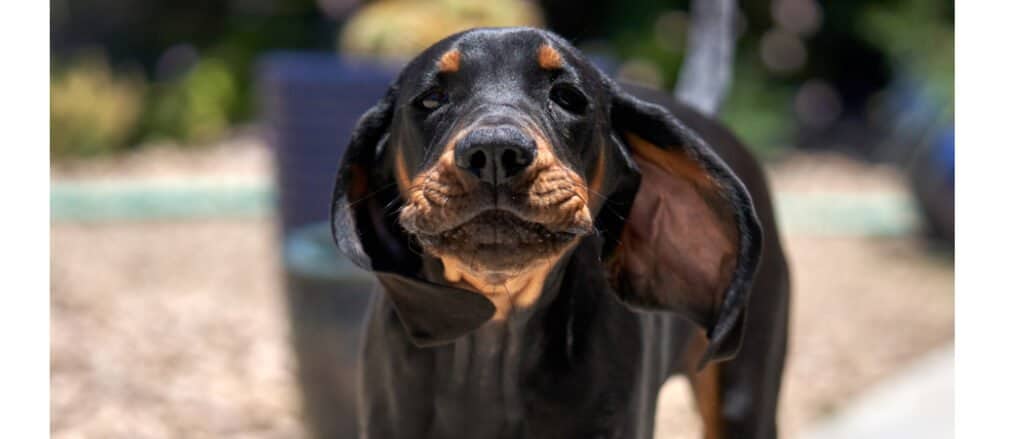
{"x": 498, "y": 345}
{"x": 507, "y": 295}
{"x": 508, "y": 292}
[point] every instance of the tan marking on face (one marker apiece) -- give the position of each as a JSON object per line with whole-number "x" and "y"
{"x": 555, "y": 184}
{"x": 508, "y": 294}
{"x": 449, "y": 62}
{"x": 552, "y": 194}
{"x": 432, "y": 189}
{"x": 401, "y": 173}
{"x": 548, "y": 58}
{"x": 550, "y": 180}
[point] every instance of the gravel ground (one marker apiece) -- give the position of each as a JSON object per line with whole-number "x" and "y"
{"x": 170, "y": 330}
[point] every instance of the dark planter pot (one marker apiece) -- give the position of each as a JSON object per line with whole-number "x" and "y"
{"x": 310, "y": 104}
{"x": 933, "y": 182}
{"x": 327, "y": 300}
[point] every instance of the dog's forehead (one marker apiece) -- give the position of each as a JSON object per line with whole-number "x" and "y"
{"x": 487, "y": 46}
{"x": 484, "y": 52}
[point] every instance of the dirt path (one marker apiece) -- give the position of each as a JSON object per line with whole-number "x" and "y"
{"x": 177, "y": 330}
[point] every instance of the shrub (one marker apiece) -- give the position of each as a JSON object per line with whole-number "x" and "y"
{"x": 194, "y": 108}
{"x": 399, "y": 29}
{"x": 92, "y": 110}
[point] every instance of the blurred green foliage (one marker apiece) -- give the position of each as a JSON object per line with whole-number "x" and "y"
{"x": 131, "y": 92}
{"x": 858, "y": 45}
{"x": 371, "y": 30}
{"x": 757, "y": 109}
{"x": 109, "y": 100}
{"x": 195, "y": 109}
{"x": 96, "y": 111}
{"x": 92, "y": 109}
{"x": 918, "y": 37}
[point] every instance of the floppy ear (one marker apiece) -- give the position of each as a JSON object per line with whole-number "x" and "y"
{"x": 358, "y": 216}
{"x": 691, "y": 242}
{"x": 365, "y": 228}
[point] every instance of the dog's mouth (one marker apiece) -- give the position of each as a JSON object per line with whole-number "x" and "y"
{"x": 490, "y": 229}
{"x": 503, "y": 228}
{"x": 499, "y": 241}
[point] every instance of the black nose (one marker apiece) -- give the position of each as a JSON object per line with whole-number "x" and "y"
{"x": 495, "y": 154}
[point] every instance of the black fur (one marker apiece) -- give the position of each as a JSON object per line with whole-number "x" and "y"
{"x": 584, "y": 360}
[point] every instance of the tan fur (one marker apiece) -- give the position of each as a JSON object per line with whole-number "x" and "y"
{"x": 548, "y": 58}
{"x": 518, "y": 292}
{"x": 707, "y": 391}
{"x": 548, "y": 177}
{"x": 676, "y": 163}
{"x": 597, "y": 181}
{"x": 401, "y": 173}
{"x": 555, "y": 184}
{"x": 435, "y": 188}
{"x": 555, "y": 196}
{"x": 680, "y": 245}
{"x": 449, "y": 62}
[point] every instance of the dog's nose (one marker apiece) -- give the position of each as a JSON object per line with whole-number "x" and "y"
{"x": 495, "y": 154}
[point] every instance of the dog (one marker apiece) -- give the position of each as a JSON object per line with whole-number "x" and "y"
{"x": 551, "y": 247}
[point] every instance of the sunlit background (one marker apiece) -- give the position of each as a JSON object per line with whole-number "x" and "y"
{"x": 193, "y": 144}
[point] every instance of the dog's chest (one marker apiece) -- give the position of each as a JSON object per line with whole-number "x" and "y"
{"x": 478, "y": 390}
{"x": 586, "y": 367}
{"x": 512, "y": 383}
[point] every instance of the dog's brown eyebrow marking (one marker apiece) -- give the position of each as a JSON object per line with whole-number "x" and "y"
{"x": 449, "y": 62}
{"x": 548, "y": 57}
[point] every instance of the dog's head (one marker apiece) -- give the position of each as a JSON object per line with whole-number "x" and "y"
{"x": 492, "y": 148}
{"x": 497, "y": 150}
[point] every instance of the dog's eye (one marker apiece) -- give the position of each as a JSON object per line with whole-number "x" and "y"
{"x": 569, "y": 98}
{"x": 432, "y": 99}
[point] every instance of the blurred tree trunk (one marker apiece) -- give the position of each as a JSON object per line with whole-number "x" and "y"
{"x": 707, "y": 72}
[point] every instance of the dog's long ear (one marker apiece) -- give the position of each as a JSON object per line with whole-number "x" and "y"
{"x": 365, "y": 227}
{"x": 691, "y": 241}
{"x": 353, "y": 204}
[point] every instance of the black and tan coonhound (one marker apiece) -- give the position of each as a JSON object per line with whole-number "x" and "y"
{"x": 553, "y": 246}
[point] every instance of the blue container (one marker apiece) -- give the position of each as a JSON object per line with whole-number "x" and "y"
{"x": 327, "y": 298}
{"x": 310, "y": 103}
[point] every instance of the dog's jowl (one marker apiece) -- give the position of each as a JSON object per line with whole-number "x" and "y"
{"x": 552, "y": 246}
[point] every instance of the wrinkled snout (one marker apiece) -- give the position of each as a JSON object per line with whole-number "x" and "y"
{"x": 495, "y": 154}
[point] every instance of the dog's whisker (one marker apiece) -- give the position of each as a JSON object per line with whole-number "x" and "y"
{"x": 609, "y": 208}
{"x": 591, "y": 191}
{"x": 392, "y": 202}
{"x": 371, "y": 194}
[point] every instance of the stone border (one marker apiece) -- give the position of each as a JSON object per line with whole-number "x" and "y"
{"x": 876, "y": 214}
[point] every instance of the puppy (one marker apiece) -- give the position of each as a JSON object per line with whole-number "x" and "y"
{"x": 552, "y": 246}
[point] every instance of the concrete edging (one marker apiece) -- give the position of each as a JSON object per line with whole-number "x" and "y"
{"x": 826, "y": 214}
